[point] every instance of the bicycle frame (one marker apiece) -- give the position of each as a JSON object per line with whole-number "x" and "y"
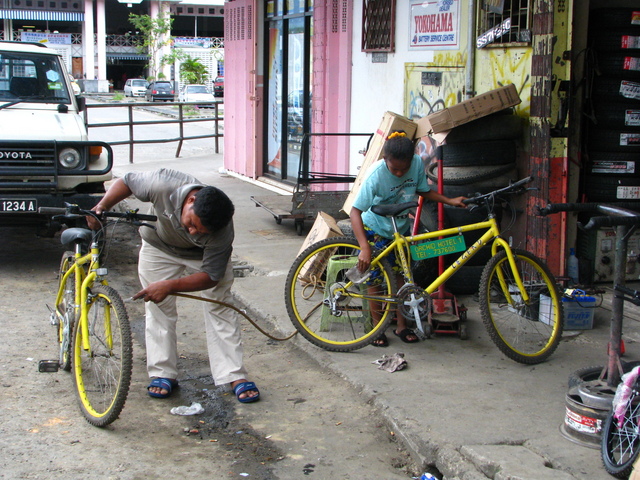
{"x": 83, "y": 281}
{"x": 401, "y": 244}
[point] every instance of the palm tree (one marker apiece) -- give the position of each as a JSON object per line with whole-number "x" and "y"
{"x": 192, "y": 71}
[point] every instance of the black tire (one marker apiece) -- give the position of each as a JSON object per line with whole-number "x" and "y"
{"x": 466, "y": 281}
{"x": 614, "y": 163}
{"x": 612, "y": 41}
{"x": 613, "y": 114}
{"x": 481, "y": 153}
{"x": 468, "y": 175}
{"x": 616, "y": 65}
{"x": 499, "y": 126}
{"x": 102, "y": 375}
{"x": 66, "y": 312}
{"x": 615, "y": 141}
{"x": 620, "y": 445}
{"x": 592, "y": 373}
{"x": 525, "y": 332}
{"x": 319, "y": 273}
{"x": 599, "y": 188}
{"x": 605, "y": 18}
{"x": 617, "y": 88}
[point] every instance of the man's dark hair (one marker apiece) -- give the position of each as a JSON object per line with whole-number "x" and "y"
{"x": 213, "y": 208}
{"x": 399, "y": 147}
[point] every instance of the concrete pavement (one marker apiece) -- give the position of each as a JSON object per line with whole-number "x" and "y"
{"x": 461, "y": 407}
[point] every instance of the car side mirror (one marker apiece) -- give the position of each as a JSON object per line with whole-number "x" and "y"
{"x": 82, "y": 102}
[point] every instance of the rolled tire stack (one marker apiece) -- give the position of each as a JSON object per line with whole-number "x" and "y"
{"x": 612, "y": 172}
{"x": 477, "y": 157}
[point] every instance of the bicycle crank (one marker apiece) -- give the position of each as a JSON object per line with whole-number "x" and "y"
{"x": 414, "y": 303}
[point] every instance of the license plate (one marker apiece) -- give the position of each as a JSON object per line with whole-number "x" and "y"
{"x": 25, "y": 205}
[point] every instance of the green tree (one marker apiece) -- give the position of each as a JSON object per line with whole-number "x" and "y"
{"x": 155, "y": 35}
{"x": 192, "y": 71}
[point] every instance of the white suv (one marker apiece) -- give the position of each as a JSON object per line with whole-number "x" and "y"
{"x": 46, "y": 159}
{"x": 135, "y": 87}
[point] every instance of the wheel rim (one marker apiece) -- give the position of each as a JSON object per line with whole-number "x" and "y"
{"x": 327, "y": 308}
{"x": 99, "y": 371}
{"x": 622, "y": 439}
{"x": 524, "y": 332}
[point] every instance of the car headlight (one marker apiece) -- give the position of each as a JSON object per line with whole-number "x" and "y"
{"x": 69, "y": 158}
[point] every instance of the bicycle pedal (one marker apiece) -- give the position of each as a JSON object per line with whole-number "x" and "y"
{"x": 48, "y": 366}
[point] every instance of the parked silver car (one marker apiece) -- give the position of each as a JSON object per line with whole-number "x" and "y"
{"x": 135, "y": 87}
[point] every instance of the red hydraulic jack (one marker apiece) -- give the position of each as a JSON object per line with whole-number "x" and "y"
{"x": 446, "y": 317}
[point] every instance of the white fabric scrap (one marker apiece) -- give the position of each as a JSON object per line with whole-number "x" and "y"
{"x": 391, "y": 363}
{"x": 194, "y": 409}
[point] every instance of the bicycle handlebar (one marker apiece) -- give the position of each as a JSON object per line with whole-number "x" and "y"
{"x": 634, "y": 294}
{"x": 613, "y": 216}
{"x": 514, "y": 188}
{"x": 74, "y": 212}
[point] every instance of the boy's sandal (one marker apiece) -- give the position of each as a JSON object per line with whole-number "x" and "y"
{"x": 163, "y": 383}
{"x": 246, "y": 387}
{"x": 404, "y": 336}
{"x": 381, "y": 341}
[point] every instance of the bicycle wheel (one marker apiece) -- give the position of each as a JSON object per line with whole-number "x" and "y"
{"x": 325, "y": 312}
{"x": 525, "y": 332}
{"x": 66, "y": 312}
{"x": 102, "y": 373}
{"x": 621, "y": 441}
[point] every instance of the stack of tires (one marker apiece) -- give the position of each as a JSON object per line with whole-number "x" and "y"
{"x": 477, "y": 157}
{"x": 612, "y": 172}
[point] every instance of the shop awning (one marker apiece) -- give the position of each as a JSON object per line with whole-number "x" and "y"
{"x": 12, "y": 14}
{"x": 127, "y": 56}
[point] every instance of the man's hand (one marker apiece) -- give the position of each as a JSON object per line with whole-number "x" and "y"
{"x": 155, "y": 292}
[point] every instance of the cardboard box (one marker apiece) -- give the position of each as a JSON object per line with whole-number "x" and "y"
{"x": 324, "y": 226}
{"x": 578, "y": 311}
{"x": 390, "y": 122}
{"x": 463, "y": 112}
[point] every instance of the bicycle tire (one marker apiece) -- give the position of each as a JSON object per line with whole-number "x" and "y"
{"x": 620, "y": 445}
{"x": 102, "y": 375}
{"x": 66, "y": 318}
{"x": 528, "y": 334}
{"x": 321, "y": 270}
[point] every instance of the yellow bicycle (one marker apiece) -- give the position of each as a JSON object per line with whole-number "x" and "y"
{"x": 519, "y": 299}
{"x": 92, "y": 325}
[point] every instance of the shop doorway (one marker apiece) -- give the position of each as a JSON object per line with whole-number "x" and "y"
{"x": 288, "y": 30}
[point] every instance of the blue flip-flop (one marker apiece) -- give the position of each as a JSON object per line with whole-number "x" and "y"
{"x": 244, "y": 387}
{"x": 163, "y": 383}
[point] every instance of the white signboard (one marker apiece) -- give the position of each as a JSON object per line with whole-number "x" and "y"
{"x": 434, "y": 24}
{"x": 53, "y": 38}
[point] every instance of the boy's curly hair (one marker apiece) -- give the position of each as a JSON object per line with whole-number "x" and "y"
{"x": 214, "y": 208}
{"x": 398, "y": 146}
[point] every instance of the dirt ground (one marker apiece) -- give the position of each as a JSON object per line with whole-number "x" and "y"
{"x": 309, "y": 422}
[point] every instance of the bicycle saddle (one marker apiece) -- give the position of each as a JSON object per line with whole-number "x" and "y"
{"x": 392, "y": 210}
{"x": 76, "y": 235}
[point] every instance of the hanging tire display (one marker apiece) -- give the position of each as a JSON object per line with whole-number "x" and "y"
{"x": 605, "y": 18}
{"x": 466, "y": 281}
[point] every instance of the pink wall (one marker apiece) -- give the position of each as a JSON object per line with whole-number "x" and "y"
{"x": 331, "y": 87}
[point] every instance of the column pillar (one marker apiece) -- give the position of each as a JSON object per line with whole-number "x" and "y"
{"x": 101, "y": 41}
{"x": 87, "y": 41}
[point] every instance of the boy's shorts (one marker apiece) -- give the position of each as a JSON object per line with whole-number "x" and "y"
{"x": 379, "y": 243}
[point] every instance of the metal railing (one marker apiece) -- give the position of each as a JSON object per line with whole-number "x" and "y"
{"x": 180, "y": 120}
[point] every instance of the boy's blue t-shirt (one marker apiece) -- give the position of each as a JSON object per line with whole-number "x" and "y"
{"x": 380, "y": 187}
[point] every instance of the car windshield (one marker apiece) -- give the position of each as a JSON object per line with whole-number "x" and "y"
{"x": 138, "y": 83}
{"x": 32, "y": 78}
{"x": 162, "y": 84}
{"x": 197, "y": 89}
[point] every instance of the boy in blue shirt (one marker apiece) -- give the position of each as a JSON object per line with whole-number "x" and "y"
{"x": 398, "y": 179}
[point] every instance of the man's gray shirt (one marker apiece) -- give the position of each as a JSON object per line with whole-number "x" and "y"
{"x": 166, "y": 190}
